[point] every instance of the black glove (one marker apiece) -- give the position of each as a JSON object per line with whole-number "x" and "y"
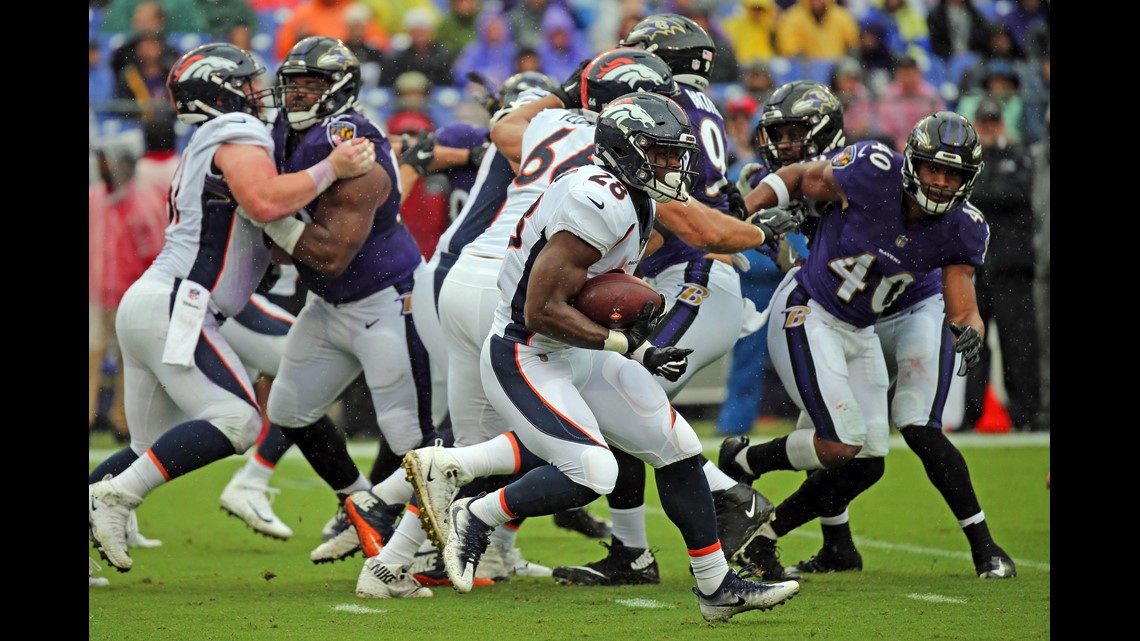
{"x": 570, "y": 93}
{"x": 642, "y": 326}
{"x": 667, "y": 362}
{"x": 736, "y": 206}
{"x": 420, "y": 154}
{"x": 477, "y": 153}
{"x": 775, "y": 222}
{"x": 968, "y": 343}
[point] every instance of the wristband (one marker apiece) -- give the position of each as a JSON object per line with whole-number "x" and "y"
{"x": 778, "y": 186}
{"x": 639, "y": 353}
{"x": 285, "y": 233}
{"x": 616, "y": 342}
{"x": 324, "y": 175}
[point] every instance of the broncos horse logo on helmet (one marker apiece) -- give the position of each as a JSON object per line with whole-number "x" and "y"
{"x": 947, "y": 139}
{"x": 621, "y": 71}
{"x": 647, "y": 141}
{"x": 215, "y": 79}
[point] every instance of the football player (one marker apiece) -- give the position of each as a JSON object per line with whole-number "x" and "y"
{"x": 866, "y": 260}
{"x": 357, "y": 261}
{"x": 189, "y": 400}
{"x": 800, "y": 121}
{"x": 570, "y": 388}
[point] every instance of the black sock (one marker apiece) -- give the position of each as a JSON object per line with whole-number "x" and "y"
{"x": 274, "y": 445}
{"x": 326, "y": 449}
{"x": 827, "y": 491}
{"x": 629, "y": 491}
{"x": 837, "y": 538}
{"x": 945, "y": 467}
{"x": 685, "y": 497}
{"x": 113, "y": 465}
{"x": 769, "y": 456}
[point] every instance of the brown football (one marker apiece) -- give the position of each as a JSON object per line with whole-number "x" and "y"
{"x": 614, "y": 299}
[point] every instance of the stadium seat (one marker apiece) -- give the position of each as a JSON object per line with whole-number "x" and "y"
{"x": 819, "y": 70}
{"x": 784, "y": 69}
{"x": 958, "y": 64}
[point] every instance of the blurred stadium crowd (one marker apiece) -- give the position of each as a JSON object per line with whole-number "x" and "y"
{"x": 890, "y": 62}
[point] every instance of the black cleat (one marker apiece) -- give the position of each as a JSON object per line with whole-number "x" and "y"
{"x": 726, "y": 461}
{"x": 997, "y": 566}
{"x": 580, "y": 520}
{"x": 763, "y": 554}
{"x": 621, "y": 566}
{"x": 828, "y": 561}
{"x": 740, "y": 511}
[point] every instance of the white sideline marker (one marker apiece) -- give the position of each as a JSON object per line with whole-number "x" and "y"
{"x": 356, "y": 609}
{"x": 643, "y": 603}
{"x": 936, "y": 598}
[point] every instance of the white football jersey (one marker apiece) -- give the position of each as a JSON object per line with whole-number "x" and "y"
{"x": 590, "y": 203}
{"x": 206, "y": 241}
{"x": 555, "y": 141}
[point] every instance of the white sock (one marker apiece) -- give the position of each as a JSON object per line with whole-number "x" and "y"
{"x": 489, "y": 458}
{"x": 629, "y": 526}
{"x": 489, "y": 509}
{"x": 405, "y": 541}
{"x": 717, "y": 479}
{"x": 395, "y": 488}
{"x": 709, "y": 569}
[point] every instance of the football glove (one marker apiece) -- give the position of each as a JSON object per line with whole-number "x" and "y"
{"x": 570, "y": 93}
{"x": 642, "y": 326}
{"x": 744, "y": 180}
{"x": 775, "y": 222}
{"x": 669, "y": 363}
{"x": 741, "y": 262}
{"x": 736, "y": 207}
{"x": 477, "y": 153}
{"x": 420, "y": 153}
{"x": 968, "y": 343}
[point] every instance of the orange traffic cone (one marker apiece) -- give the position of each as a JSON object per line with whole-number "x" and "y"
{"x": 994, "y": 419}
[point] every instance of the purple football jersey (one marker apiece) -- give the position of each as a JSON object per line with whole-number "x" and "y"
{"x": 708, "y": 126}
{"x": 862, "y": 258}
{"x": 460, "y": 135}
{"x": 390, "y": 253}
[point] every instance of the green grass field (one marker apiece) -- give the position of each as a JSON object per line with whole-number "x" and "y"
{"x": 213, "y": 579}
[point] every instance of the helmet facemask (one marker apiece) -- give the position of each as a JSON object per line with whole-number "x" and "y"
{"x": 325, "y": 97}
{"x": 935, "y": 200}
{"x": 666, "y": 170}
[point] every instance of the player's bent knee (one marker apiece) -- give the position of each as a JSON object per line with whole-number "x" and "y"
{"x": 599, "y": 470}
{"x": 835, "y": 454}
{"x": 241, "y": 428}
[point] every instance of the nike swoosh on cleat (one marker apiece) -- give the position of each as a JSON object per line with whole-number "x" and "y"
{"x": 253, "y": 509}
{"x": 751, "y": 511}
{"x": 596, "y": 203}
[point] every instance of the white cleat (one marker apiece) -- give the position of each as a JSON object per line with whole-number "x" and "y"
{"x": 94, "y": 568}
{"x": 250, "y": 501}
{"x": 135, "y": 539}
{"x": 500, "y": 565}
{"x": 388, "y": 581}
{"x": 737, "y": 594}
{"x": 108, "y": 512}
{"x": 467, "y": 540}
{"x": 338, "y": 548}
{"x": 436, "y": 476}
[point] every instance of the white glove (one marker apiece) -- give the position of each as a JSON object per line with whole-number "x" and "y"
{"x": 741, "y": 262}
{"x": 744, "y": 181}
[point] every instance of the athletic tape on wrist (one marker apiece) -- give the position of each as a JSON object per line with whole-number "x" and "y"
{"x": 778, "y": 186}
{"x": 285, "y": 232}
{"x": 616, "y": 342}
{"x": 639, "y": 353}
{"x": 322, "y": 174}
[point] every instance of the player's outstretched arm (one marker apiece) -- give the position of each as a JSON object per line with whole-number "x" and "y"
{"x": 702, "y": 226}
{"x": 265, "y": 196}
{"x": 813, "y": 180}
